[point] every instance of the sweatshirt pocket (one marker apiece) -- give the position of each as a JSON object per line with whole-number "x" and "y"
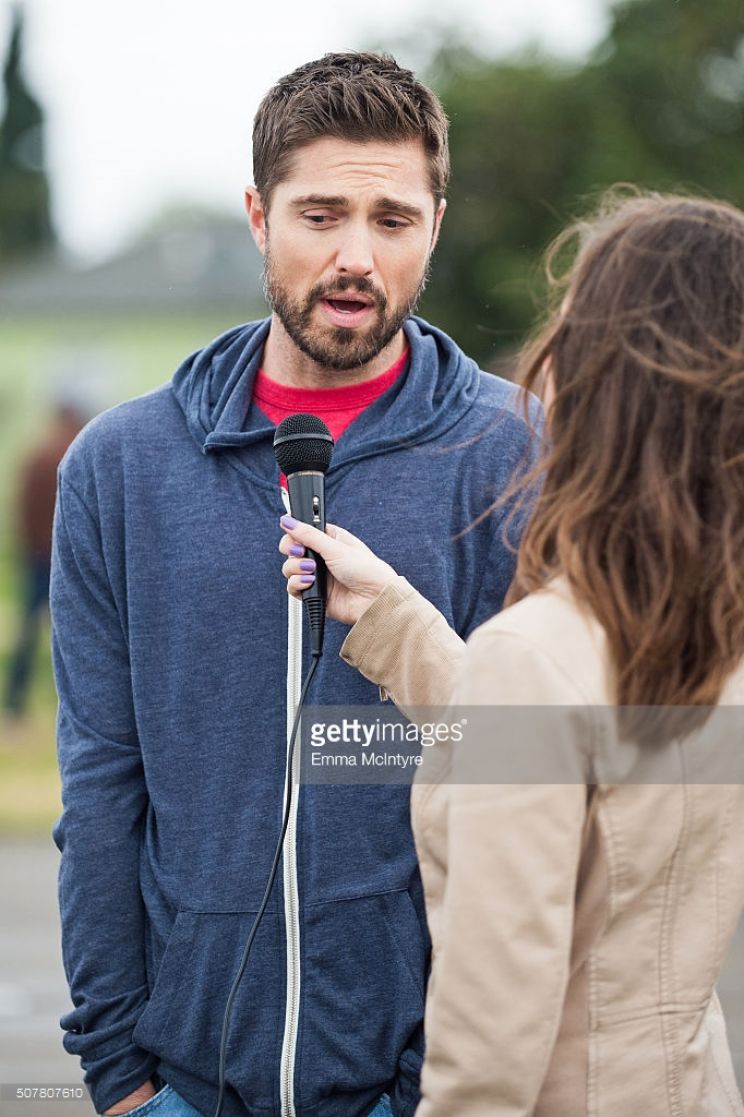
{"x": 182, "y": 1023}
{"x": 363, "y": 984}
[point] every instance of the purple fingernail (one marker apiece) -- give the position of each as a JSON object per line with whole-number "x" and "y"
{"x": 307, "y": 564}
{"x": 297, "y": 550}
{"x": 289, "y": 522}
{"x": 307, "y": 579}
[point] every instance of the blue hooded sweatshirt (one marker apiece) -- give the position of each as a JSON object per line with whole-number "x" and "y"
{"x": 178, "y": 661}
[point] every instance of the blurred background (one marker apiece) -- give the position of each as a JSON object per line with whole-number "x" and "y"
{"x": 124, "y": 149}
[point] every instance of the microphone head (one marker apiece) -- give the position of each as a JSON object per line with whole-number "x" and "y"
{"x": 303, "y": 442}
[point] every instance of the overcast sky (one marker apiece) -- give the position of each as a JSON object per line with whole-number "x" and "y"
{"x": 150, "y": 102}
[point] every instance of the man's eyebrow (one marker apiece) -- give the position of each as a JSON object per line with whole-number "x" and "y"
{"x": 320, "y": 200}
{"x": 403, "y": 208}
{"x": 338, "y": 201}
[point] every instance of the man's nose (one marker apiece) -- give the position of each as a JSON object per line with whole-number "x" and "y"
{"x": 354, "y": 256}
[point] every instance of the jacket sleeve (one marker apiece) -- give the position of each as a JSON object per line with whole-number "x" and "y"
{"x": 104, "y": 801}
{"x": 502, "y": 937}
{"x": 404, "y": 644}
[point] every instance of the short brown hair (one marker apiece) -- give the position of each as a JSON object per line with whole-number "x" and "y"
{"x": 643, "y": 502}
{"x": 356, "y": 96}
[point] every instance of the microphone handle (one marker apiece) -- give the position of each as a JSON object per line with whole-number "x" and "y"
{"x": 307, "y": 503}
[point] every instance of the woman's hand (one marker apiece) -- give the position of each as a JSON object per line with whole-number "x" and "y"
{"x": 356, "y": 576}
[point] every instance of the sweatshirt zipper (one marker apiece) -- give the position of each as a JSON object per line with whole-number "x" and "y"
{"x": 289, "y": 862}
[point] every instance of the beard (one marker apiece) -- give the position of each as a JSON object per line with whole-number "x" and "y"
{"x": 336, "y": 347}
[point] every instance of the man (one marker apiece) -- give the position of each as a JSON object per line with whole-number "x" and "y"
{"x": 178, "y": 664}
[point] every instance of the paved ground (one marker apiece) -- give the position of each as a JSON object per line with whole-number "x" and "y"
{"x": 33, "y": 994}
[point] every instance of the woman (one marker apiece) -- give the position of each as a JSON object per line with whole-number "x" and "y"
{"x": 579, "y": 927}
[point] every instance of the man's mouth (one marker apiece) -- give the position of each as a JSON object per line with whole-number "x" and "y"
{"x": 347, "y": 310}
{"x": 348, "y": 305}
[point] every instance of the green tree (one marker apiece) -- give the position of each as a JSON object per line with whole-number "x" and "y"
{"x": 25, "y": 223}
{"x": 660, "y": 103}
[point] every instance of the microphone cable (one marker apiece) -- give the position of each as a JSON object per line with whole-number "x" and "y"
{"x": 269, "y": 884}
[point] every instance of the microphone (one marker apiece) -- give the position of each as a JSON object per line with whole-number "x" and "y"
{"x": 303, "y": 447}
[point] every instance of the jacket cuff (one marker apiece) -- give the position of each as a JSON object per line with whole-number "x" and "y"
{"x": 404, "y": 644}
{"x": 367, "y": 646}
{"x": 111, "y": 1079}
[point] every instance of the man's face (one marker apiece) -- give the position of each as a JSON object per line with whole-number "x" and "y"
{"x": 347, "y": 242}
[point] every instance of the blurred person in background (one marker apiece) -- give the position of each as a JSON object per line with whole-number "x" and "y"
{"x": 579, "y": 928}
{"x": 37, "y": 490}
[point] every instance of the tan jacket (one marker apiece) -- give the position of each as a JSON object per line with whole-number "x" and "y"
{"x": 578, "y": 931}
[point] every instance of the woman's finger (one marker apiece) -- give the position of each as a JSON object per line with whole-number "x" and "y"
{"x": 308, "y": 536}
{"x": 305, "y": 534}
{"x": 288, "y": 546}
{"x": 329, "y": 543}
{"x": 298, "y": 566}
{"x": 298, "y": 583}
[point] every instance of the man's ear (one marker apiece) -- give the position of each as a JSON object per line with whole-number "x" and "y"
{"x": 256, "y": 217}
{"x": 438, "y": 222}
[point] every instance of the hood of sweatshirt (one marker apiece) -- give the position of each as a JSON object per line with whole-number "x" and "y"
{"x": 214, "y": 388}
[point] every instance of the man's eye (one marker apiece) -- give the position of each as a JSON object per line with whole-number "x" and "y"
{"x": 393, "y": 223}
{"x": 316, "y": 218}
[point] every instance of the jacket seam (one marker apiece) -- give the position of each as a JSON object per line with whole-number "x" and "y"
{"x": 416, "y": 985}
{"x": 64, "y": 482}
{"x": 720, "y": 947}
{"x": 669, "y": 1023}
{"x": 355, "y": 896}
{"x": 673, "y": 1008}
{"x": 616, "y": 870}
{"x": 593, "y": 1041}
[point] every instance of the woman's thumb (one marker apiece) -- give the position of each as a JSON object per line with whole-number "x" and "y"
{"x": 344, "y": 536}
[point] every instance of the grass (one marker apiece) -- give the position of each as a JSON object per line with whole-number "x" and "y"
{"x": 111, "y": 358}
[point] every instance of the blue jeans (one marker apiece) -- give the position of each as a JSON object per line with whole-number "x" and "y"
{"x": 167, "y": 1103}
{"x": 382, "y": 1109}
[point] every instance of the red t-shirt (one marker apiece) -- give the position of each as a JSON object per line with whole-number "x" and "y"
{"x": 337, "y": 407}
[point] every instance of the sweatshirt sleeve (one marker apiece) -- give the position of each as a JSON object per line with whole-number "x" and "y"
{"x": 508, "y": 861}
{"x": 104, "y": 801}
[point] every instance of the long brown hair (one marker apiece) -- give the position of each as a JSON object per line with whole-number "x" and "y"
{"x": 642, "y": 506}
